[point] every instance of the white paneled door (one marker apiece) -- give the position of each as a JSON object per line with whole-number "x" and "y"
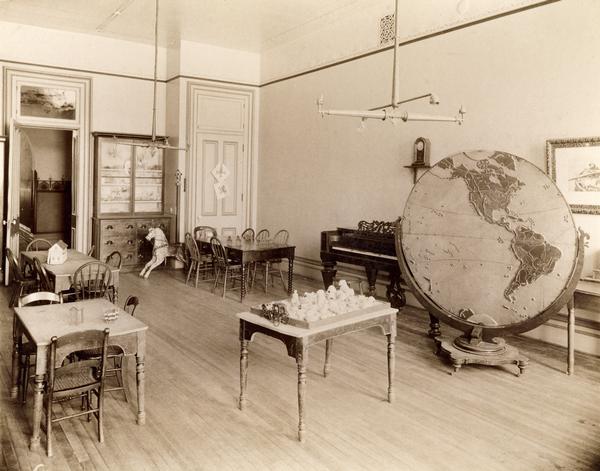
{"x": 219, "y": 166}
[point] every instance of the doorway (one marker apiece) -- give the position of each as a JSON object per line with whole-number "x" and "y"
{"x": 45, "y": 185}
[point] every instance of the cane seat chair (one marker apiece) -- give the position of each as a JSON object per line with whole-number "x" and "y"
{"x": 114, "y": 355}
{"x": 224, "y": 267}
{"x": 91, "y": 280}
{"x": 27, "y": 349}
{"x": 39, "y": 244}
{"x": 76, "y": 379}
{"x": 21, "y": 284}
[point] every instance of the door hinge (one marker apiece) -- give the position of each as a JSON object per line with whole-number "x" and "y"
{"x": 243, "y": 147}
{"x": 184, "y": 184}
{"x": 242, "y": 197}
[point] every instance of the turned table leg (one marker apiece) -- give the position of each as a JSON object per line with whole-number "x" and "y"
{"x": 571, "y": 337}
{"x": 243, "y": 372}
{"x": 391, "y": 359}
{"x": 327, "y": 365}
{"x": 302, "y": 362}
{"x": 140, "y": 380}
{"x": 290, "y": 286}
{"x": 15, "y": 366}
{"x": 38, "y": 396}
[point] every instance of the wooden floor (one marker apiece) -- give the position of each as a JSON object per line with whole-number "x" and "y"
{"x": 481, "y": 418}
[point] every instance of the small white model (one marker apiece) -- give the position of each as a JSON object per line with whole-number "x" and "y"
{"x": 57, "y": 254}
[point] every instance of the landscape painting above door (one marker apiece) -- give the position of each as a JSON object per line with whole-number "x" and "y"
{"x": 43, "y": 102}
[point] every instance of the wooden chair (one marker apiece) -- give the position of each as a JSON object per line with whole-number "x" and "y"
{"x": 262, "y": 235}
{"x": 45, "y": 284}
{"x": 39, "y": 244}
{"x": 248, "y": 234}
{"x": 27, "y": 350}
{"x": 91, "y": 280}
{"x": 21, "y": 283}
{"x": 116, "y": 261}
{"x": 114, "y": 355}
{"x": 223, "y": 266}
{"x": 206, "y": 261}
{"x": 280, "y": 237}
{"x": 75, "y": 379}
{"x": 194, "y": 257}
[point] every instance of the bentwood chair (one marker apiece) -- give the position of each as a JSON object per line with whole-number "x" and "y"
{"x": 76, "y": 379}
{"x": 206, "y": 261}
{"x": 262, "y": 235}
{"x": 91, "y": 280}
{"x": 114, "y": 260}
{"x": 45, "y": 284}
{"x": 27, "y": 350}
{"x": 194, "y": 257}
{"x": 280, "y": 237}
{"x": 39, "y": 244}
{"x": 21, "y": 283}
{"x": 223, "y": 266}
{"x": 114, "y": 355}
{"x": 248, "y": 234}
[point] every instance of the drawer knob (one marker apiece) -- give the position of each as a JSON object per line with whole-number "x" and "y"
{"x": 109, "y": 242}
{"x": 130, "y": 242}
{"x": 109, "y": 227}
{"x": 129, "y": 226}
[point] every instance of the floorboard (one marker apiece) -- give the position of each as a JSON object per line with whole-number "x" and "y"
{"x": 480, "y": 418}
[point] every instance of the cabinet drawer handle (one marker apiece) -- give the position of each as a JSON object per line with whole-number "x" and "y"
{"x": 130, "y": 242}
{"x": 109, "y": 242}
{"x": 129, "y": 257}
{"x": 129, "y": 226}
{"x": 109, "y": 228}
{"x": 144, "y": 226}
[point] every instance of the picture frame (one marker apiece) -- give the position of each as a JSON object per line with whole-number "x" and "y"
{"x": 42, "y": 101}
{"x": 574, "y": 165}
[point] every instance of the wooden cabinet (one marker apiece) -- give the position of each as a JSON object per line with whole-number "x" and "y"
{"x": 128, "y": 196}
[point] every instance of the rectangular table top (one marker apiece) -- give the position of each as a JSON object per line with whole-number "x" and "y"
{"x": 249, "y": 245}
{"x": 299, "y": 332}
{"x": 62, "y": 273}
{"x": 44, "y": 322}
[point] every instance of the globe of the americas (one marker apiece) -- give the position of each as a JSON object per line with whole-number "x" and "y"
{"x": 488, "y": 240}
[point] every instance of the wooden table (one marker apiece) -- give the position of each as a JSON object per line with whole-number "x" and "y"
{"x": 297, "y": 341}
{"x": 40, "y": 323}
{"x": 588, "y": 294}
{"x": 245, "y": 252}
{"x": 63, "y": 273}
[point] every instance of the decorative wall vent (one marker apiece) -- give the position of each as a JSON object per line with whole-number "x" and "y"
{"x": 386, "y": 29}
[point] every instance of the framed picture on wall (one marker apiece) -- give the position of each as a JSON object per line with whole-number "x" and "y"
{"x": 40, "y": 101}
{"x": 574, "y": 165}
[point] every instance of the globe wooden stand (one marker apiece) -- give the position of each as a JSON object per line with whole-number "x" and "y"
{"x": 472, "y": 349}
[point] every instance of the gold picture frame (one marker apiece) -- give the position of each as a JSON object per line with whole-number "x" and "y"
{"x": 574, "y": 165}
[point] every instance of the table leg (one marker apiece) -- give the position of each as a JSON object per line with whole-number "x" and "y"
{"x": 140, "y": 380}
{"x": 243, "y": 287}
{"x": 290, "y": 289}
{"x": 15, "y": 364}
{"x": 243, "y": 372}
{"x": 38, "y": 397}
{"x": 571, "y": 337}
{"x": 328, "y": 348}
{"x": 391, "y": 358}
{"x": 302, "y": 362}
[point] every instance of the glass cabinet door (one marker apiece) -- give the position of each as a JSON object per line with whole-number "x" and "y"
{"x": 148, "y": 180}
{"x": 115, "y": 176}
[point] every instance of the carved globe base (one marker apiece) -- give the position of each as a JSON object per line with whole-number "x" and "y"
{"x": 462, "y": 352}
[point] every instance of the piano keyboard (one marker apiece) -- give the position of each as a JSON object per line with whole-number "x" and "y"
{"x": 364, "y": 252}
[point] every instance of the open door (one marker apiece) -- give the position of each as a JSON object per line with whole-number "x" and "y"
{"x": 74, "y": 182}
{"x": 12, "y": 220}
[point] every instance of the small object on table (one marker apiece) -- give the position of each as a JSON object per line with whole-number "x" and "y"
{"x": 276, "y": 313}
{"x": 57, "y": 254}
{"x": 111, "y": 314}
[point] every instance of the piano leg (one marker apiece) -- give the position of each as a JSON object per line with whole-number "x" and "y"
{"x": 372, "y": 279}
{"x": 395, "y": 293}
{"x": 328, "y": 273}
{"x": 434, "y": 327}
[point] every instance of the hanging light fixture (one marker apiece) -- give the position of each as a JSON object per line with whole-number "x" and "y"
{"x": 391, "y": 111}
{"x": 155, "y": 143}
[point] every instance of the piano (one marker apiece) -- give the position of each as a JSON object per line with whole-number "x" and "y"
{"x": 373, "y": 246}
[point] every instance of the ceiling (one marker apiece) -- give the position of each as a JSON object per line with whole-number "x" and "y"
{"x": 250, "y": 25}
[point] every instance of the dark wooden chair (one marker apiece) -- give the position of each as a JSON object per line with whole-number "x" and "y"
{"x": 262, "y": 235}
{"x": 248, "y": 234}
{"x": 223, "y": 266}
{"x": 21, "y": 284}
{"x": 114, "y": 260}
{"x": 39, "y": 244}
{"x": 75, "y": 379}
{"x": 194, "y": 257}
{"x": 206, "y": 261}
{"x": 280, "y": 237}
{"x": 27, "y": 351}
{"x": 115, "y": 354}
{"x": 91, "y": 280}
{"x": 45, "y": 284}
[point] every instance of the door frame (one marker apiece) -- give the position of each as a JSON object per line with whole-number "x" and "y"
{"x": 249, "y": 173}
{"x": 81, "y": 170}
